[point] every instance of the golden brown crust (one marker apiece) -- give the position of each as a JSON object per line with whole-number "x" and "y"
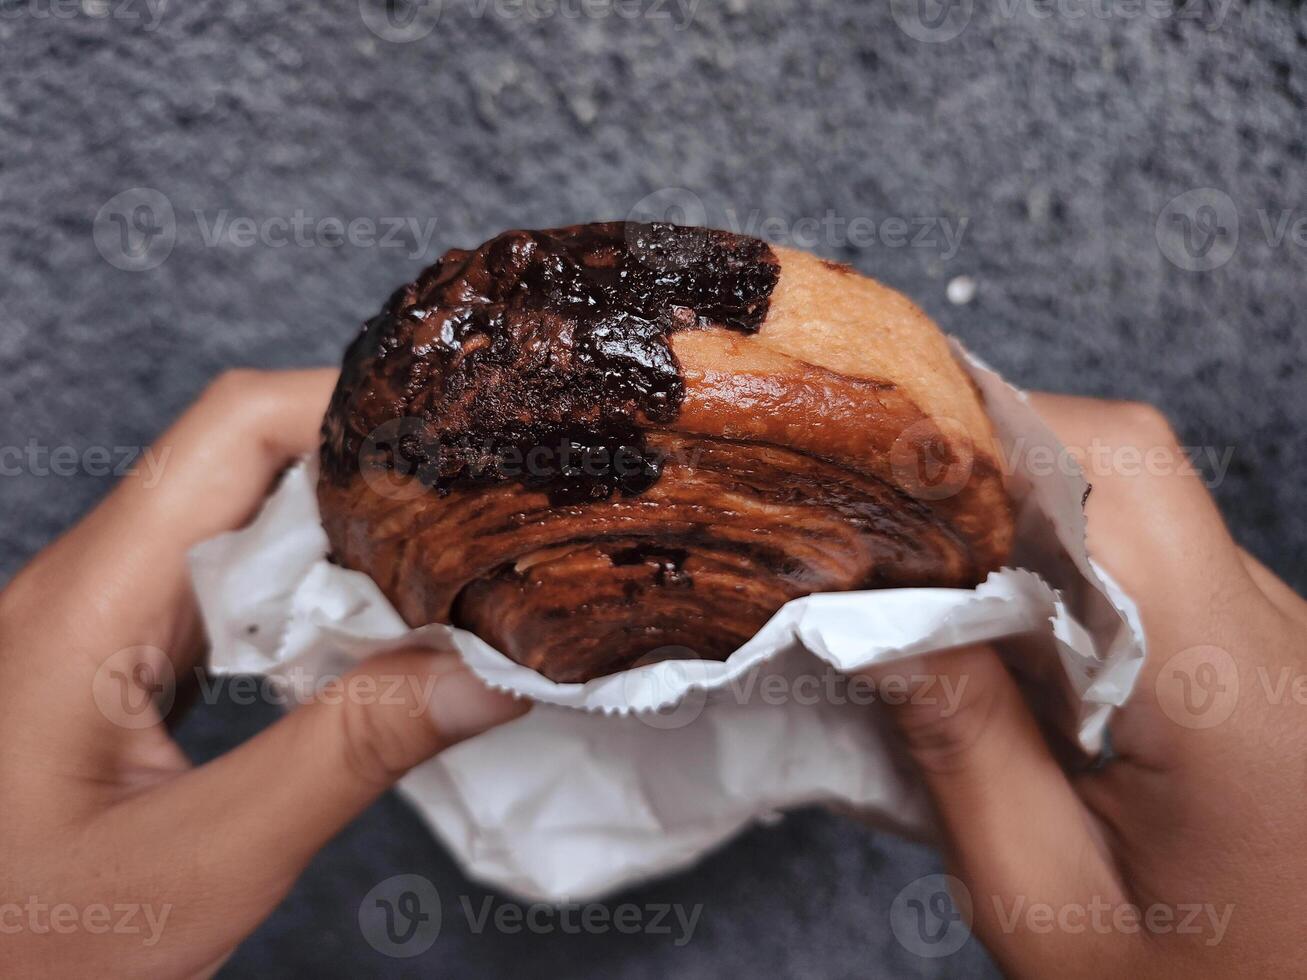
{"x": 847, "y": 368}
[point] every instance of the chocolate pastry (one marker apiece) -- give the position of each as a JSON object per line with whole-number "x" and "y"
{"x": 607, "y": 444}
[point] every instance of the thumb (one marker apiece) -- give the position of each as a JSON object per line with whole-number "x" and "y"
{"x": 327, "y": 760}
{"x": 399, "y": 709}
{"x": 1014, "y": 829}
{"x": 248, "y": 822}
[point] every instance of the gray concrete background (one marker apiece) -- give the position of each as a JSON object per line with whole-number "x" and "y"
{"x": 1056, "y": 137}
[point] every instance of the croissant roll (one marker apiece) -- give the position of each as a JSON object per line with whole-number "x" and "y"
{"x": 608, "y": 444}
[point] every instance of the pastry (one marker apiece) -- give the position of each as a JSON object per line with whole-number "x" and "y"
{"x": 607, "y": 444}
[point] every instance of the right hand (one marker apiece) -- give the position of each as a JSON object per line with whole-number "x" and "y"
{"x": 1201, "y": 807}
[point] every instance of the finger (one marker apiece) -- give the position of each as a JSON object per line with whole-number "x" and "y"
{"x": 1149, "y": 513}
{"x": 1012, "y": 822}
{"x": 247, "y": 823}
{"x": 119, "y": 578}
{"x": 1152, "y": 523}
{"x": 1290, "y": 603}
{"x": 1154, "y": 526}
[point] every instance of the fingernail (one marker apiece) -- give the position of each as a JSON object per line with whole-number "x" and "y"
{"x": 462, "y": 706}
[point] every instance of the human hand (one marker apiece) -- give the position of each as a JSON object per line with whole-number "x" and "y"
{"x": 103, "y": 816}
{"x": 1186, "y": 854}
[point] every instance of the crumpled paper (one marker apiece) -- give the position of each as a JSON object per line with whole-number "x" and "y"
{"x": 640, "y": 773}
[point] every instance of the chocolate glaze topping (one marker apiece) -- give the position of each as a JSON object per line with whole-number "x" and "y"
{"x": 540, "y": 357}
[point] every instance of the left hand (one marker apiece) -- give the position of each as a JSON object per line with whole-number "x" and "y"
{"x": 101, "y": 808}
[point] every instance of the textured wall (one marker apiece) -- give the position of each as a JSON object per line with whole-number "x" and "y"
{"x": 1038, "y": 148}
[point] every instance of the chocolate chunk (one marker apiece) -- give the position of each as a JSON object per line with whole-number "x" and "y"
{"x": 540, "y": 356}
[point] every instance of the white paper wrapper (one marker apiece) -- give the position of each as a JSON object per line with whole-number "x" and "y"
{"x": 640, "y": 773}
